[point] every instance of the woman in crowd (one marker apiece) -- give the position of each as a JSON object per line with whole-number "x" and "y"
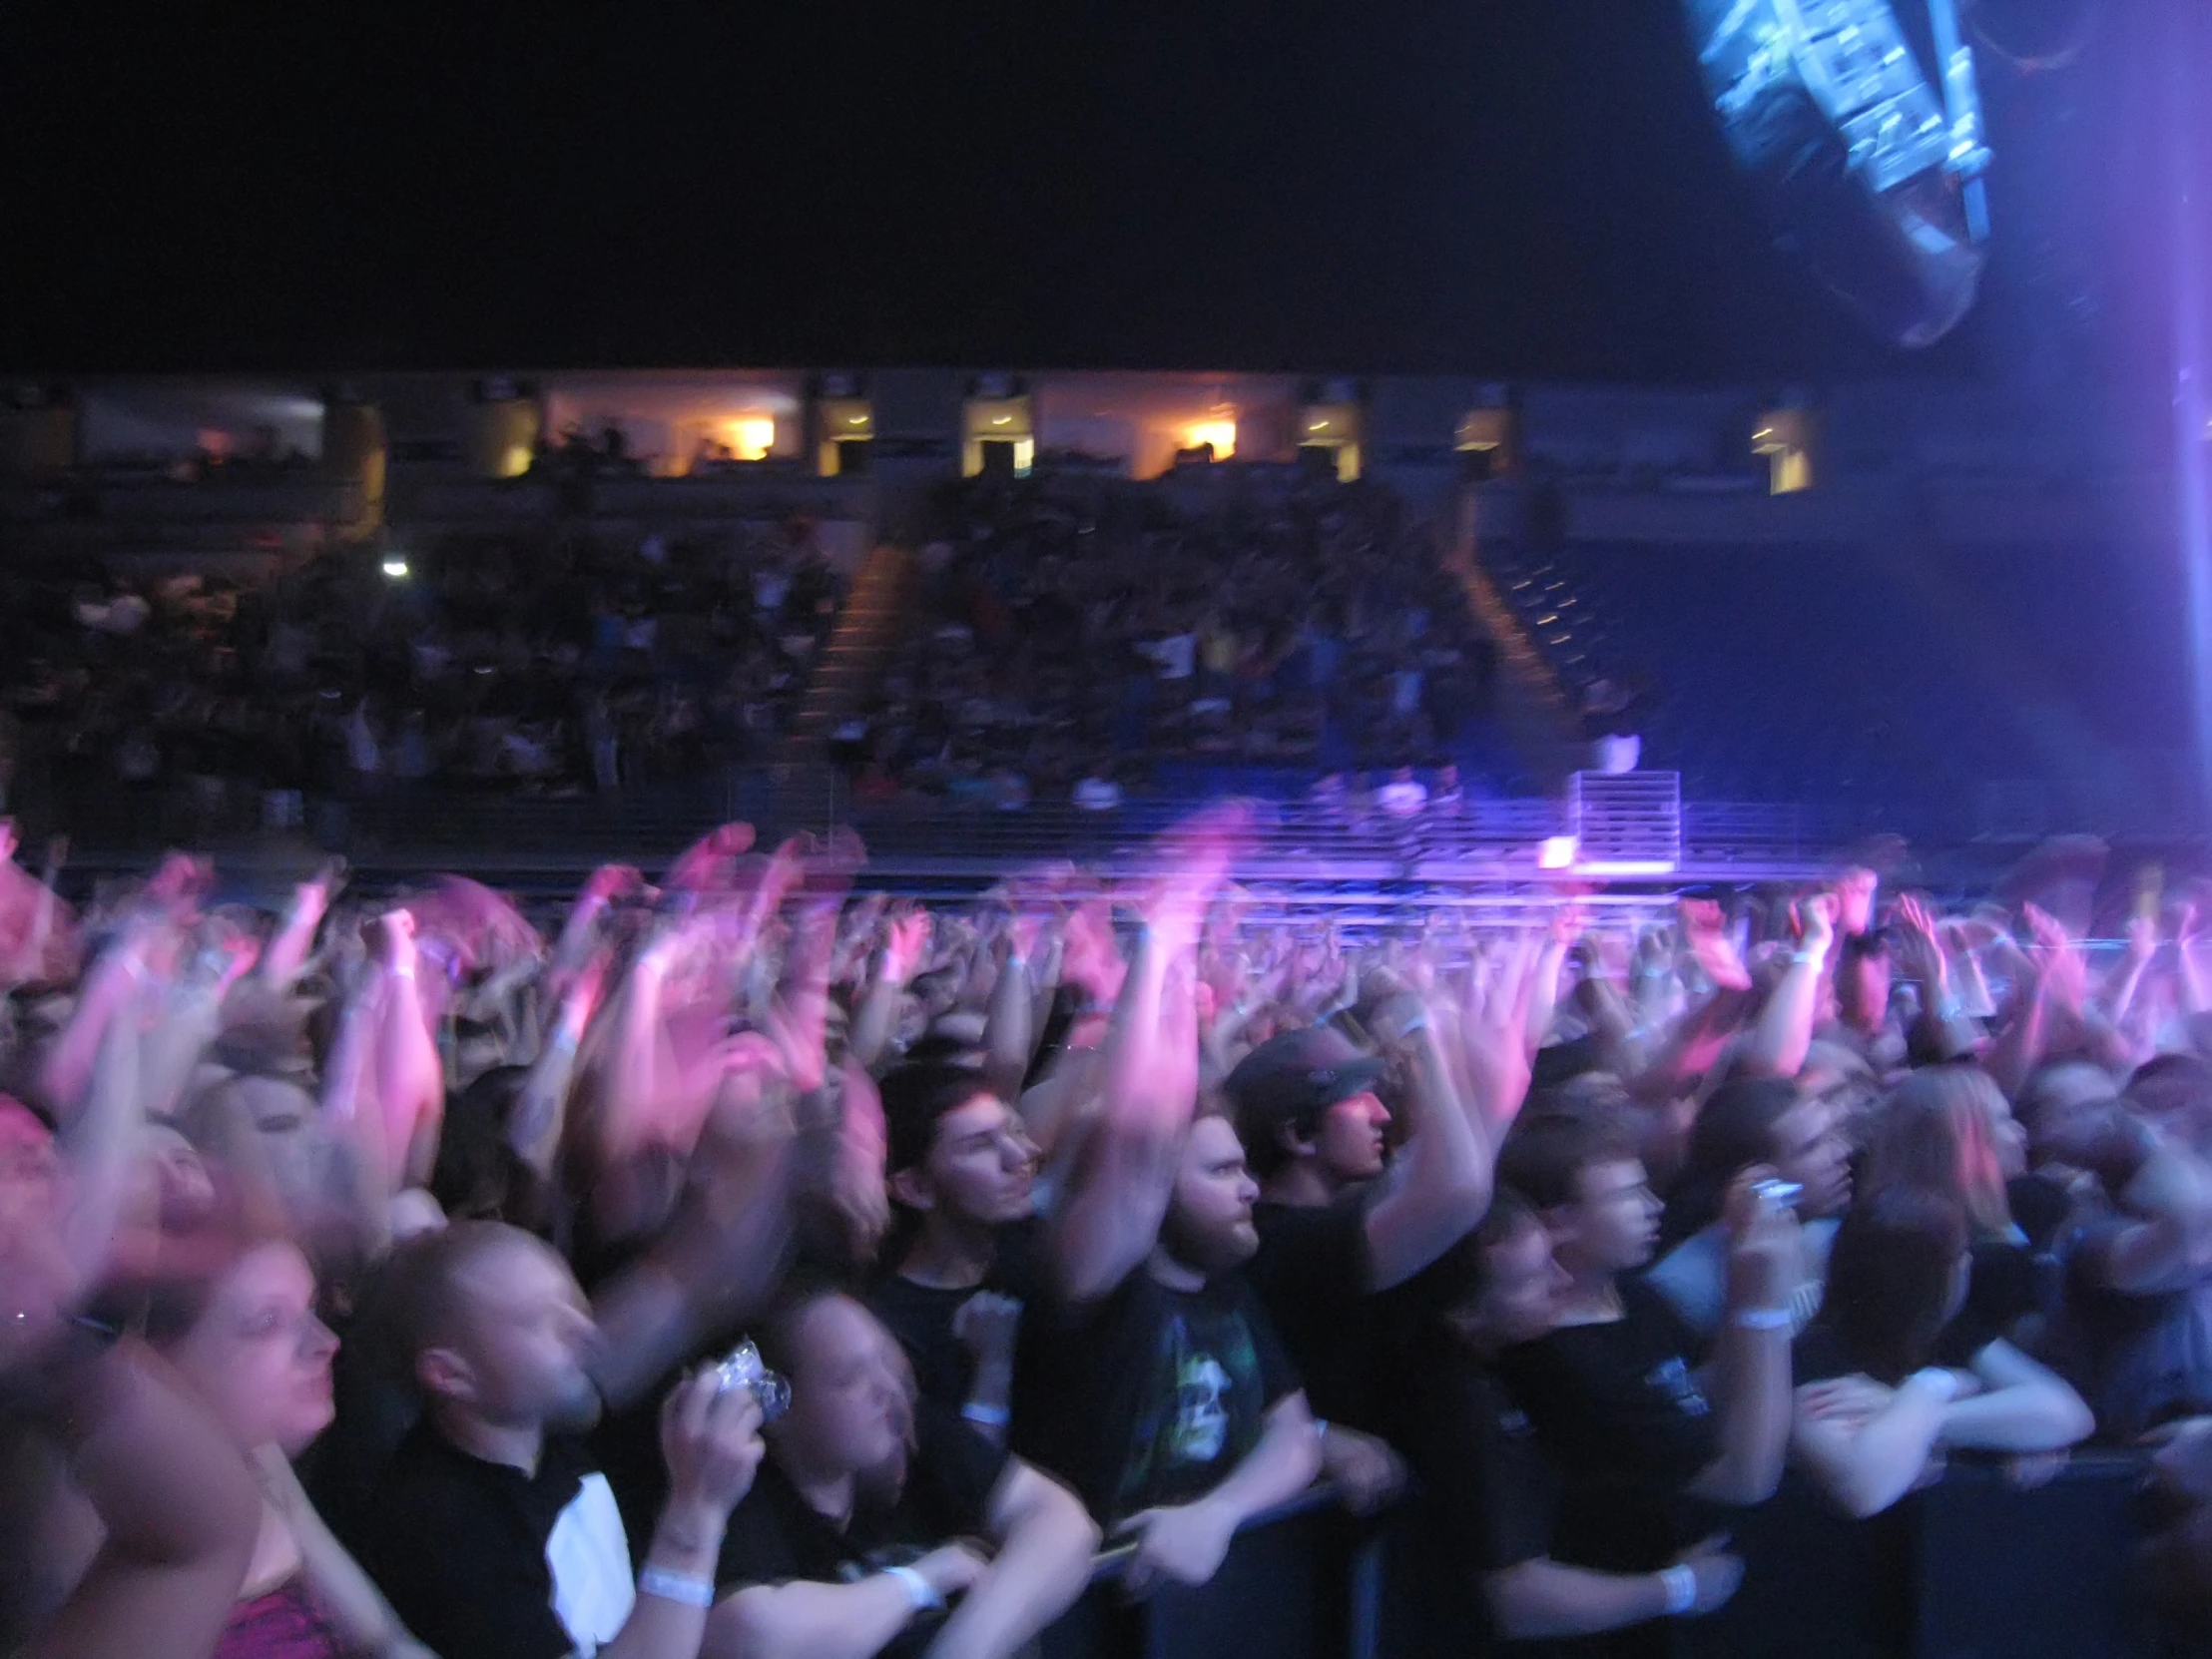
{"x": 1889, "y": 1377}
{"x": 250, "y": 1346}
{"x": 1948, "y": 1129}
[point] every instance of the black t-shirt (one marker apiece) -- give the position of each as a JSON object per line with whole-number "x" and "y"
{"x": 1313, "y": 1275}
{"x": 921, "y": 1316}
{"x": 482, "y": 1559}
{"x": 1622, "y": 1413}
{"x": 2138, "y": 1360}
{"x": 2002, "y": 1290}
{"x": 1483, "y": 1497}
{"x": 1489, "y": 1488}
{"x": 1147, "y": 1396}
{"x": 776, "y": 1535}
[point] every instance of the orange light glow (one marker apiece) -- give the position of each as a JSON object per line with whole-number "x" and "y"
{"x": 750, "y": 436}
{"x": 1222, "y": 435}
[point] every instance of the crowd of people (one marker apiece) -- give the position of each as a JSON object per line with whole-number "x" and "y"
{"x": 1072, "y": 639}
{"x": 749, "y": 1264}
{"x": 520, "y": 663}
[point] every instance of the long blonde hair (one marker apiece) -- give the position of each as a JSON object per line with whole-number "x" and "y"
{"x": 1938, "y": 1130}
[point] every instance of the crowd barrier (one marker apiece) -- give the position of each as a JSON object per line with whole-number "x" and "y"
{"x": 437, "y": 821}
{"x": 1968, "y": 1568}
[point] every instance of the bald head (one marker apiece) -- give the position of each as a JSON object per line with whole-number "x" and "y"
{"x": 494, "y": 1327}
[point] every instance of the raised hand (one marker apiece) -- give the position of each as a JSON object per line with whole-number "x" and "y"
{"x": 2143, "y": 938}
{"x": 610, "y": 882}
{"x": 711, "y": 1442}
{"x": 1919, "y": 949}
{"x": 2056, "y": 956}
{"x": 1705, "y": 932}
{"x": 1766, "y": 1254}
{"x": 1854, "y": 890}
{"x": 905, "y": 943}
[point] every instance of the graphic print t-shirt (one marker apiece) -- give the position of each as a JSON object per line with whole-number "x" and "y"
{"x": 1149, "y": 1395}
{"x": 483, "y": 1559}
{"x": 1622, "y": 1413}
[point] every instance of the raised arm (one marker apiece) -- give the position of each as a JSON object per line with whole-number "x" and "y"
{"x": 1009, "y": 1028}
{"x": 1442, "y": 1188}
{"x": 541, "y": 1111}
{"x": 897, "y": 960}
{"x": 179, "y": 1511}
{"x": 410, "y": 1079}
{"x": 285, "y": 958}
{"x": 1125, "y": 1168}
{"x": 1148, "y": 1086}
{"x": 1783, "y": 1034}
{"x": 100, "y": 1143}
{"x": 1943, "y": 1025}
{"x": 710, "y": 1445}
{"x": 1751, "y": 1360}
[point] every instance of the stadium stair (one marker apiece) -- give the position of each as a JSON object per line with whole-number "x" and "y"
{"x": 866, "y": 630}
{"x": 1533, "y": 706}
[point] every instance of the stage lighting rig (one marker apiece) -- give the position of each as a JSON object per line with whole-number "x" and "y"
{"x": 1866, "y": 171}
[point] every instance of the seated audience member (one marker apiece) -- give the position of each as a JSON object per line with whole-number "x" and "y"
{"x": 1648, "y": 1445}
{"x": 250, "y": 1346}
{"x": 855, "y": 1536}
{"x": 1948, "y": 1129}
{"x": 1746, "y": 1122}
{"x": 1335, "y": 1229}
{"x": 492, "y": 1533}
{"x": 961, "y": 1168}
{"x": 1151, "y": 1380}
{"x": 1887, "y": 1381}
{"x": 1491, "y": 1495}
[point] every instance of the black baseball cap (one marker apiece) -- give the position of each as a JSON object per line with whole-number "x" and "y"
{"x": 1297, "y": 1074}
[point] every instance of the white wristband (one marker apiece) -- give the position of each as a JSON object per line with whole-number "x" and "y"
{"x": 1764, "y": 1318}
{"x": 989, "y": 1417}
{"x": 920, "y": 1594}
{"x": 1681, "y": 1586}
{"x": 675, "y": 1587}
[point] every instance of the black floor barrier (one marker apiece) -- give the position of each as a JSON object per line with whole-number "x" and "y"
{"x": 1969, "y": 1568}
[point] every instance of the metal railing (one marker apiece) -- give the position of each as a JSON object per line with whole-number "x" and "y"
{"x": 1457, "y": 842}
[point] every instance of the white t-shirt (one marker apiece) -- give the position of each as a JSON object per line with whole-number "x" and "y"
{"x": 1401, "y": 798}
{"x": 589, "y": 1555}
